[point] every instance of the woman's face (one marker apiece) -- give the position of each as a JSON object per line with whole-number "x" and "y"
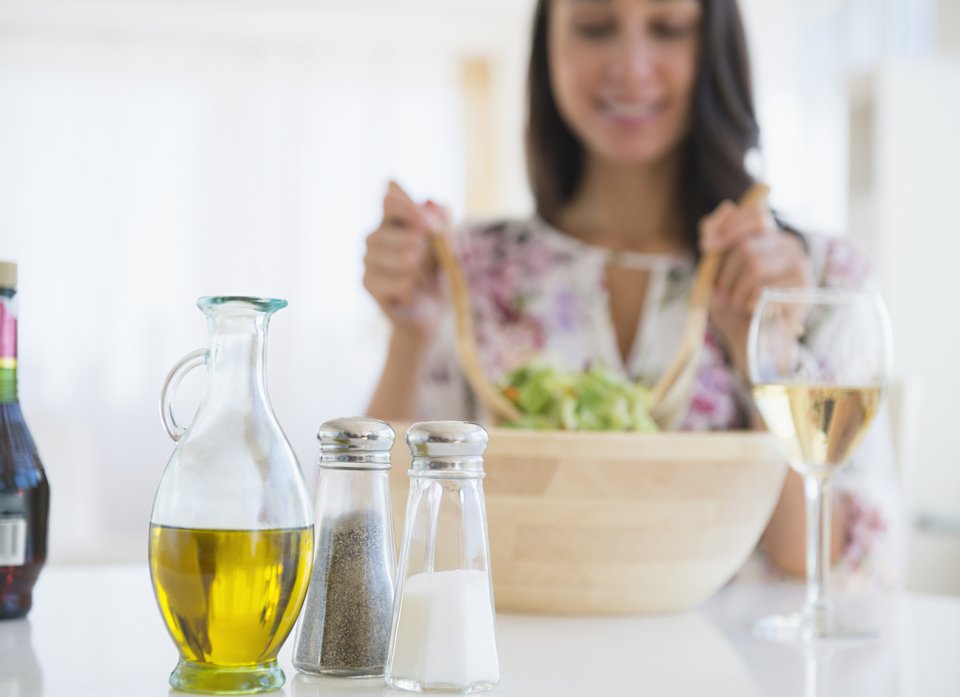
{"x": 623, "y": 71}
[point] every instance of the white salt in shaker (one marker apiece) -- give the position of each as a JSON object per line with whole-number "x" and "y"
{"x": 443, "y": 635}
{"x": 345, "y": 622}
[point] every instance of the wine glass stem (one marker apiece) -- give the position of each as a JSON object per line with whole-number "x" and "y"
{"x": 817, "y": 608}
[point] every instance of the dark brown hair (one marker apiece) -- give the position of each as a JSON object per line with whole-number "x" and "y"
{"x": 724, "y": 126}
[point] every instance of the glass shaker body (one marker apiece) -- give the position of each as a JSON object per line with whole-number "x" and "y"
{"x": 345, "y": 621}
{"x": 231, "y": 533}
{"x": 443, "y": 634}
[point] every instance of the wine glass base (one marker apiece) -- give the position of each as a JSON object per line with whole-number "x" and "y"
{"x": 801, "y": 627}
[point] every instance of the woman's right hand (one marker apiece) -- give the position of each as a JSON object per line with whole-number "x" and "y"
{"x": 400, "y": 270}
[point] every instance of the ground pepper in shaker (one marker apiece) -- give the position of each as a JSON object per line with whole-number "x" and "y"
{"x": 443, "y": 635}
{"x": 346, "y": 617}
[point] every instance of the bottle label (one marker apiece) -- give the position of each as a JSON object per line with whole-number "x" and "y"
{"x": 13, "y": 530}
{"x": 13, "y": 542}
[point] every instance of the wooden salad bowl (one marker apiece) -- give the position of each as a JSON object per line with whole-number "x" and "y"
{"x": 617, "y": 523}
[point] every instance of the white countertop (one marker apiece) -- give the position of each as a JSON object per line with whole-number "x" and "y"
{"x": 97, "y": 631}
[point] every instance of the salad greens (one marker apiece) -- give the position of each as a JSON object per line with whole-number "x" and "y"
{"x": 595, "y": 400}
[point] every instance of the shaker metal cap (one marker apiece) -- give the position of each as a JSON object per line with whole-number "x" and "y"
{"x": 447, "y": 445}
{"x": 8, "y": 274}
{"x": 358, "y": 442}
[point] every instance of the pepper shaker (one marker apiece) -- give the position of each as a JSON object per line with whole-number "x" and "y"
{"x": 346, "y": 617}
{"x": 443, "y": 636}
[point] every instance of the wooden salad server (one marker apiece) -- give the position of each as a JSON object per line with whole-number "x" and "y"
{"x": 670, "y": 397}
{"x": 489, "y": 395}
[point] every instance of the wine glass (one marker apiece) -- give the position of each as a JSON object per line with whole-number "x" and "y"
{"x": 819, "y": 364}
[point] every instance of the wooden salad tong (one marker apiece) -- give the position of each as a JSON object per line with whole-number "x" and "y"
{"x": 670, "y": 397}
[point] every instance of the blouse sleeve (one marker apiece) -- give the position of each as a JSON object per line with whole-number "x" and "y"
{"x": 868, "y": 485}
{"x": 444, "y": 394}
{"x": 872, "y": 556}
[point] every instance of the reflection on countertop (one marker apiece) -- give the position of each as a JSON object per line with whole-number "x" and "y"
{"x": 20, "y": 672}
{"x": 96, "y": 631}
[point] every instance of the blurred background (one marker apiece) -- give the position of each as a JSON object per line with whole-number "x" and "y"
{"x": 153, "y": 151}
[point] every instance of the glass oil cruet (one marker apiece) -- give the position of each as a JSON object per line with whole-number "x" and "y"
{"x": 231, "y": 533}
{"x": 443, "y": 636}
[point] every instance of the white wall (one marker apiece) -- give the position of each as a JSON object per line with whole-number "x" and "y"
{"x": 916, "y": 234}
{"x": 155, "y": 153}
{"x": 948, "y": 25}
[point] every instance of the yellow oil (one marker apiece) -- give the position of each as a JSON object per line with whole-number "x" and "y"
{"x": 230, "y": 597}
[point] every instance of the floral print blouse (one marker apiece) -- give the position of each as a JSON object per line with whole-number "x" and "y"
{"x": 538, "y": 293}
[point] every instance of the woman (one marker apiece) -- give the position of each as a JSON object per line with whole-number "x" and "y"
{"x": 639, "y": 120}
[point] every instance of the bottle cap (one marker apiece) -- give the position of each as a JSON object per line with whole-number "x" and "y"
{"x": 8, "y": 274}
{"x": 355, "y": 442}
{"x": 447, "y": 447}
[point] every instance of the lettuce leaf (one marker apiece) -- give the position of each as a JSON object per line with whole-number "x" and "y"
{"x": 597, "y": 399}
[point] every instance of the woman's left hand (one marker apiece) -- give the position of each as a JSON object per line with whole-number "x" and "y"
{"x": 757, "y": 254}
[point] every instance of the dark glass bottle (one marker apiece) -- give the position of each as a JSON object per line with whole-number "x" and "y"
{"x": 24, "y": 492}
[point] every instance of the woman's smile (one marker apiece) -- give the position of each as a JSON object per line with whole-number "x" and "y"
{"x": 631, "y": 112}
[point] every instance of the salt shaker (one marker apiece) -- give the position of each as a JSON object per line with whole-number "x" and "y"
{"x": 443, "y": 635}
{"x": 346, "y": 617}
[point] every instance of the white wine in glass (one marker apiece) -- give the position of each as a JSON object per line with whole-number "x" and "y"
{"x": 819, "y": 363}
{"x": 821, "y": 425}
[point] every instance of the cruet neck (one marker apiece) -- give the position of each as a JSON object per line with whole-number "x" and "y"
{"x": 237, "y": 338}
{"x": 240, "y": 307}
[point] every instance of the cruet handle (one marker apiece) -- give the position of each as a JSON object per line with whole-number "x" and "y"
{"x": 169, "y": 391}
